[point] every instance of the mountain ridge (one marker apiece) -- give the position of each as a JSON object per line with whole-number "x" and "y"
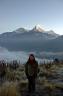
{"x": 36, "y": 28}
{"x": 30, "y": 40}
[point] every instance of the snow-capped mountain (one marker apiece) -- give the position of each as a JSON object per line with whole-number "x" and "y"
{"x": 36, "y": 39}
{"x": 21, "y": 30}
{"x": 38, "y": 28}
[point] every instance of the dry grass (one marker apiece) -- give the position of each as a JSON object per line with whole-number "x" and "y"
{"x": 8, "y": 89}
{"x": 44, "y": 82}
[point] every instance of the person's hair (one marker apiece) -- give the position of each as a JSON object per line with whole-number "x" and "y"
{"x": 29, "y": 61}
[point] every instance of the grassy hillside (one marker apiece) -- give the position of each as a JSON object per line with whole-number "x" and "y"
{"x": 48, "y": 83}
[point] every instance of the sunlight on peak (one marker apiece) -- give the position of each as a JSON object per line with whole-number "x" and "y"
{"x": 38, "y": 26}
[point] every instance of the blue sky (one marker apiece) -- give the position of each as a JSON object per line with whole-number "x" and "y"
{"x": 28, "y": 13}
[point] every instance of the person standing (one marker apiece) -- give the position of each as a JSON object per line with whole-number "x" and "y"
{"x": 31, "y": 70}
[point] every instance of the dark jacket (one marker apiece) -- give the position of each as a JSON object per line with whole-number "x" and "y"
{"x": 31, "y": 69}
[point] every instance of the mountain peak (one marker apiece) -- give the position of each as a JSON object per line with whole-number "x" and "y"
{"x": 21, "y": 30}
{"x": 38, "y": 28}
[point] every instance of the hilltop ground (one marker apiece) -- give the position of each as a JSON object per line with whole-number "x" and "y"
{"x": 48, "y": 83}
